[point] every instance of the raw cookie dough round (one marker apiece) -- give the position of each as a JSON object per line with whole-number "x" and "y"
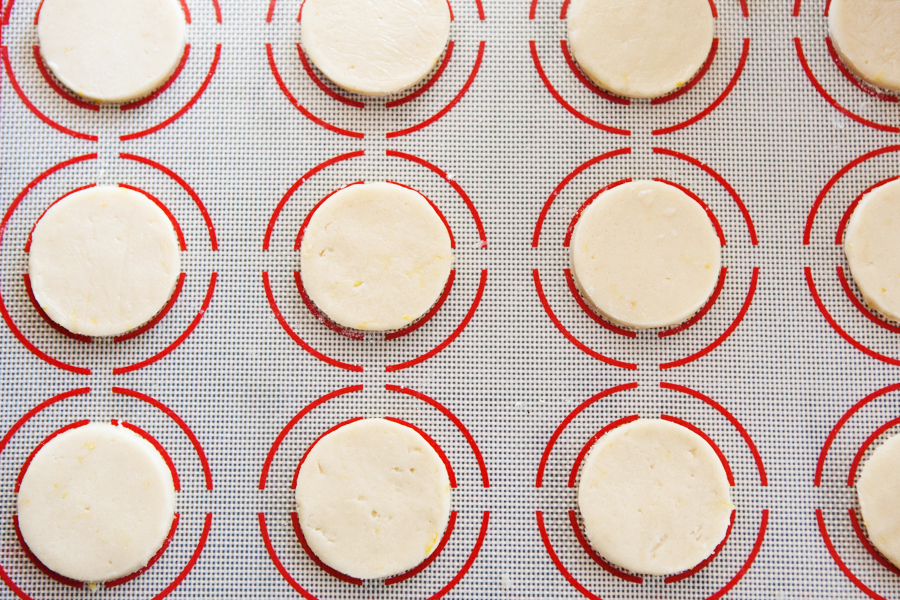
{"x": 375, "y": 47}
{"x": 872, "y": 246}
{"x": 96, "y": 503}
{"x": 640, "y": 48}
{"x": 878, "y": 489}
{"x": 103, "y": 261}
{"x": 373, "y": 498}
{"x": 866, "y": 35}
{"x": 111, "y": 50}
{"x": 654, "y": 497}
{"x": 375, "y": 256}
{"x": 645, "y": 254}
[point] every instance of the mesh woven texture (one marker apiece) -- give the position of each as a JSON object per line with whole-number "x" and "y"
{"x": 511, "y": 376}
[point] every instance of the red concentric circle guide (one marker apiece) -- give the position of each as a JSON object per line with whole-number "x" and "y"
{"x": 572, "y": 515}
{"x": 574, "y": 70}
{"x": 841, "y": 275}
{"x": 545, "y": 297}
{"x": 327, "y": 89}
{"x": 40, "y": 66}
{"x": 359, "y": 335}
{"x": 878, "y": 433}
{"x": 4, "y": 442}
{"x": 850, "y": 84}
{"x": 210, "y": 229}
{"x": 447, "y": 538}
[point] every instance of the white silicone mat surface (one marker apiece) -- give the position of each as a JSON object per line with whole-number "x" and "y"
{"x": 510, "y": 377}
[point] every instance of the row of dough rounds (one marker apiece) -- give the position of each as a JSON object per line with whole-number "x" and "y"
{"x": 373, "y": 499}
{"x": 117, "y": 50}
{"x": 377, "y": 256}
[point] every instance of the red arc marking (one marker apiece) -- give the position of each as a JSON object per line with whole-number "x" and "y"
{"x": 431, "y": 557}
{"x": 299, "y": 241}
{"x": 577, "y": 216}
{"x": 595, "y": 556}
{"x": 316, "y": 441}
{"x": 821, "y": 90}
{"x": 820, "y": 519}
{"x": 721, "y": 181}
{"x": 321, "y": 85}
{"x": 847, "y": 337}
{"x": 854, "y": 466}
{"x": 34, "y": 109}
{"x": 190, "y": 103}
{"x": 294, "y": 336}
{"x": 820, "y": 465}
{"x": 296, "y": 103}
{"x": 860, "y": 306}
{"x": 169, "y": 537}
{"x": 558, "y": 97}
{"x": 207, "y": 472}
{"x": 393, "y": 335}
{"x": 708, "y": 440}
{"x": 839, "y": 236}
{"x": 159, "y": 91}
{"x": 587, "y": 82}
{"x": 485, "y": 482}
{"x": 69, "y": 193}
{"x": 37, "y": 562}
{"x": 437, "y": 75}
{"x": 451, "y": 104}
{"x": 703, "y": 205}
{"x": 539, "y": 482}
{"x": 180, "y": 339}
{"x": 53, "y": 324}
{"x": 725, "y": 334}
{"x": 857, "y": 528}
{"x": 745, "y": 52}
{"x": 863, "y": 87}
{"x": 575, "y": 342}
{"x": 296, "y": 185}
{"x": 267, "y": 464}
{"x": 159, "y": 448}
{"x": 210, "y": 228}
{"x": 64, "y": 93}
{"x": 43, "y": 405}
{"x": 570, "y": 281}
{"x": 705, "y": 563}
{"x": 298, "y": 531}
{"x": 566, "y": 181}
{"x": 43, "y": 443}
{"x": 482, "y": 284}
{"x": 182, "y": 244}
{"x": 760, "y": 467}
{"x": 322, "y": 317}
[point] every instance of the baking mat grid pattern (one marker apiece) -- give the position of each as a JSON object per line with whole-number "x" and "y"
{"x": 510, "y": 376}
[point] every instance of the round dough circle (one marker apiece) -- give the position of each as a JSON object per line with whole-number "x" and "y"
{"x": 878, "y": 489}
{"x": 373, "y": 498}
{"x": 375, "y": 256}
{"x": 873, "y": 253}
{"x": 654, "y": 497}
{"x": 111, "y": 50}
{"x": 375, "y": 47}
{"x": 103, "y": 261}
{"x": 645, "y": 254}
{"x": 96, "y": 503}
{"x": 866, "y": 35}
{"x": 640, "y": 48}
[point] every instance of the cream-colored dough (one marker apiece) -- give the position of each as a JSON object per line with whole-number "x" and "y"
{"x": 640, "y": 48}
{"x": 111, "y": 50}
{"x": 878, "y": 489}
{"x": 375, "y": 256}
{"x": 866, "y": 35}
{"x": 872, "y": 246}
{"x": 103, "y": 261}
{"x": 375, "y": 47}
{"x": 654, "y": 497}
{"x": 645, "y": 254}
{"x": 96, "y": 503}
{"x": 373, "y": 498}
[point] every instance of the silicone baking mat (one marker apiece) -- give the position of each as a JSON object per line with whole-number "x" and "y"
{"x": 786, "y": 372}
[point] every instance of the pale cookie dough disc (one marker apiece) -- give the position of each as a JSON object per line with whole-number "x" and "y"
{"x": 645, "y": 254}
{"x": 103, "y": 261}
{"x": 111, "y": 50}
{"x": 375, "y": 256}
{"x": 654, "y": 497}
{"x": 878, "y": 489}
{"x": 866, "y": 35}
{"x": 96, "y": 503}
{"x": 872, "y": 246}
{"x": 640, "y": 48}
{"x": 373, "y": 498}
{"x": 375, "y": 47}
